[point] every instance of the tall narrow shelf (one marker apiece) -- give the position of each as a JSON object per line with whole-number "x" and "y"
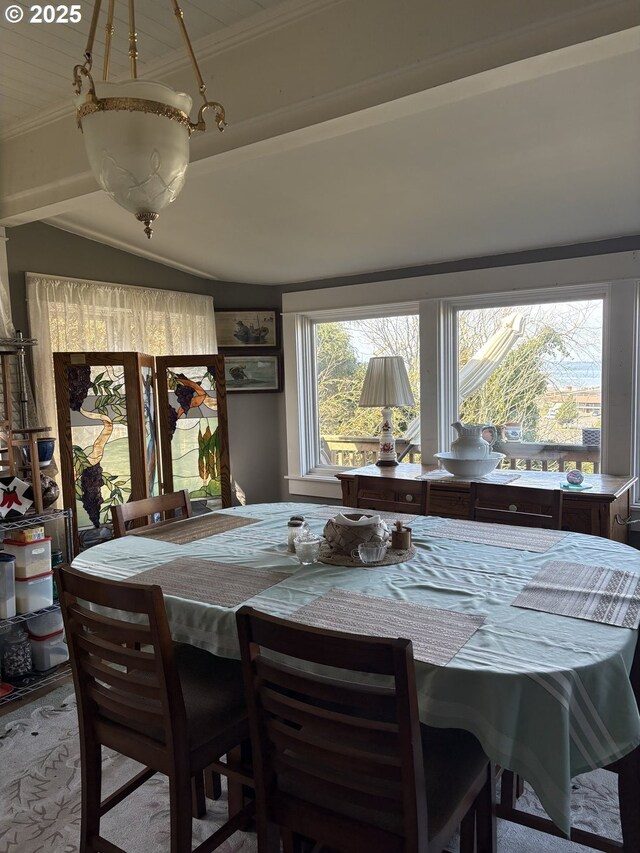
{"x": 51, "y": 678}
{"x": 17, "y": 440}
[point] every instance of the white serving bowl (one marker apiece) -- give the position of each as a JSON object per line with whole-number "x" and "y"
{"x": 469, "y": 467}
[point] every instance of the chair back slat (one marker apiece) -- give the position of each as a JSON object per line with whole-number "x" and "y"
{"x": 107, "y": 627}
{"x": 135, "y": 690}
{"x": 331, "y": 690}
{"x": 337, "y": 756}
{"x": 116, "y": 654}
{"x": 333, "y": 719}
{"x": 341, "y": 791}
{"x": 348, "y": 749}
{"x": 520, "y": 505}
{"x": 125, "y": 515}
{"x": 332, "y": 651}
{"x": 126, "y": 706}
{"x": 120, "y": 679}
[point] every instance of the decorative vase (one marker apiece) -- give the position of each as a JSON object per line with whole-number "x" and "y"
{"x": 49, "y": 488}
{"x": 46, "y": 446}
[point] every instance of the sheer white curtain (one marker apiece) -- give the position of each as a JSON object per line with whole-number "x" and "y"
{"x": 74, "y": 315}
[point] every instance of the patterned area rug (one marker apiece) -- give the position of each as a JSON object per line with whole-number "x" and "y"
{"x": 40, "y": 795}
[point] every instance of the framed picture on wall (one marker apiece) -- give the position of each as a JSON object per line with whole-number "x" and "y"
{"x": 248, "y": 328}
{"x": 255, "y": 372}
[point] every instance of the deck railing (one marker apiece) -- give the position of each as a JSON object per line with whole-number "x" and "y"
{"x": 533, "y": 456}
{"x": 350, "y": 451}
{"x": 356, "y": 451}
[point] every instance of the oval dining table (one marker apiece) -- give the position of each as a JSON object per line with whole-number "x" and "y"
{"x": 548, "y": 696}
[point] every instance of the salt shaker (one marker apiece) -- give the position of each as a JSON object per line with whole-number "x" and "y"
{"x": 295, "y": 526}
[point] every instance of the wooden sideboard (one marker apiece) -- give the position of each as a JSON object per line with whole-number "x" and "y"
{"x": 600, "y": 510}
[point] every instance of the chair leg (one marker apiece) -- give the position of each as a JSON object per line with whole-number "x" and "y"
{"x": 468, "y": 832}
{"x": 180, "y": 806}
{"x": 198, "y": 801}
{"x": 212, "y": 784}
{"x": 91, "y": 772}
{"x": 508, "y": 789}
{"x": 268, "y": 836}
{"x": 237, "y": 794}
{"x": 628, "y": 793}
{"x": 485, "y": 808}
{"x": 288, "y": 843}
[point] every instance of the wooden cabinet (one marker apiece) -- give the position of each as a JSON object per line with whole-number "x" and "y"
{"x": 600, "y": 510}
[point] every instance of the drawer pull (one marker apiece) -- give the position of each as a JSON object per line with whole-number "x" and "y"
{"x": 408, "y": 498}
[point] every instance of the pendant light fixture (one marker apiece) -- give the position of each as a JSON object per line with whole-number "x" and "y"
{"x": 137, "y": 132}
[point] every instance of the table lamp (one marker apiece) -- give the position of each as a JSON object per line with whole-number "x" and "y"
{"x": 386, "y": 384}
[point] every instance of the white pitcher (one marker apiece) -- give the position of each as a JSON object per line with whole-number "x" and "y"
{"x": 470, "y": 444}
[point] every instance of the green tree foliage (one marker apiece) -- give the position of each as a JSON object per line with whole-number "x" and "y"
{"x": 340, "y": 378}
{"x": 512, "y": 393}
{"x": 341, "y": 375}
{"x": 568, "y": 411}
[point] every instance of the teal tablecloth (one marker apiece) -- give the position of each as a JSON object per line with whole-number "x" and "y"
{"x": 547, "y": 696}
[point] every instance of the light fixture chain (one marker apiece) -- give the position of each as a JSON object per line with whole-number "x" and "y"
{"x": 109, "y": 30}
{"x": 133, "y": 41}
{"x": 88, "y": 53}
{"x": 218, "y": 108}
{"x": 84, "y": 70}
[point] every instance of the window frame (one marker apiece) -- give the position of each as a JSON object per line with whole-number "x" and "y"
{"x": 611, "y": 277}
{"x": 304, "y": 450}
{"x": 451, "y": 308}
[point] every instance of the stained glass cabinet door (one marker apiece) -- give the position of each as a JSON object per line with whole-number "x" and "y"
{"x": 107, "y": 430}
{"x": 192, "y": 419}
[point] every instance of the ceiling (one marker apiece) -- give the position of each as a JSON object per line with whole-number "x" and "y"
{"x": 540, "y": 152}
{"x": 44, "y": 54}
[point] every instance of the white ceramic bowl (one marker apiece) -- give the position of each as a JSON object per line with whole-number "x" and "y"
{"x": 469, "y": 467}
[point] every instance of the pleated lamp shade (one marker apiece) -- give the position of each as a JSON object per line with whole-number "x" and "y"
{"x": 386, "y": 383}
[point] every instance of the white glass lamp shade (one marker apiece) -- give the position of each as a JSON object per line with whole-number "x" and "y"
{"x": 137, "y": 141}
{"x": 386, "y": 383}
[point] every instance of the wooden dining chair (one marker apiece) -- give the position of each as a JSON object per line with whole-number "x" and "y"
{"x": 347, "y": 764}
{"x": 163, "y": 505}
{"x": 527, "y": 507}
{"x": 176, "y": 709}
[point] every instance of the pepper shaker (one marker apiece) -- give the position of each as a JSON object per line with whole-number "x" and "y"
{"x": 401, "y": 537}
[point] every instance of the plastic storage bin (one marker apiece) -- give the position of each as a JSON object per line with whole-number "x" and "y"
{"x": 34, "y": 593}
{"x": 48, "y": 651}
{"x": 45, "y": 624}
{"x": 32, "y": 558}
{"x": 7, "y": 586}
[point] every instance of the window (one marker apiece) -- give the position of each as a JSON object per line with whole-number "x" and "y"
{"x": 591, "y": 307}
{"x": 344, "y": 435}
{"x": 347, "y": 434}
{"x": 534, "y": 371}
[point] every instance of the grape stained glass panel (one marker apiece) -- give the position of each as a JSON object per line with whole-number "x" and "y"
{"x": 150, "y": 441}
{"x": 100, "y": 441}
{"x": 194, "y": 432}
